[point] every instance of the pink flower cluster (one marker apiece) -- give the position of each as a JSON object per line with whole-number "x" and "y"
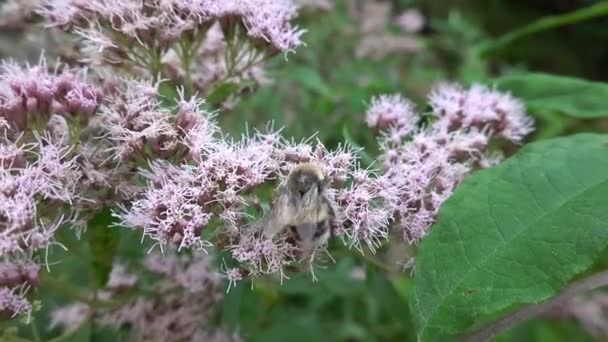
{"x": 480, "y": 108}
{"x": 160, "y": 24}
{"x": 40, "y": 113}
{"x": 213, "y": 180}
{"x": 13, "y": 302}
{"x": 423, "y": 164}
{"x": 375, "y": 40}
{"x": 179, "y": 303}
{"x": 15, "y": 279}
{"x": 138, "y": 125}
{"x": 34, "y": 179}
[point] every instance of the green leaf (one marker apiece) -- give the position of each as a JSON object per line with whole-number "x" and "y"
{"x": 403, "y": 286}
{"x": 221, "y": 92}
{"x": 103, "y": 242}
{"x": 571, "y": 96}
{"x": 167, "y": 94}
{"x": 513, "y": 235}
{"x": 310, "y": 79}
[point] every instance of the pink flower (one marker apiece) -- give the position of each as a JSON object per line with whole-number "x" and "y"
{"x": 410, "y": 20}
{"x": 422, "y": 166}
{"x": 184, "y": 297}
{"x": 13, "y": 302}
{"x": 265, "y": 20}
{"x": 69, "y": 317}
{"x": 179, "y": 303}
{"x": 392, "y": 111}
{"x": 364, "y": 210}
{"x": 180, "y": 201}
{"x": 480, "y": 108}
{"x": 261, "y": 255}
{"x": 46, "y": 174}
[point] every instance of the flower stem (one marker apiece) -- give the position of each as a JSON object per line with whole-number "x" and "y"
{"x": 35, "y": 332}
{"x": 530, "y": 311}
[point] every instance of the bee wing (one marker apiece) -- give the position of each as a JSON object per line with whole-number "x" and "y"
{"x": 280, "y": 214}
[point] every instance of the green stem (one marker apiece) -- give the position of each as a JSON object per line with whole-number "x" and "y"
{"x": 528, "y": 312}
{"x": 546, "y": 23}
{"x": 372, "y": 260}
{"x": 35, "y": 332}
{"x": 186, "y": 55}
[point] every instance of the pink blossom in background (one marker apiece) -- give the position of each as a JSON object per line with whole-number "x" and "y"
{"x": 375, "y": 41}
{"x": 183, "y": 297}
{"x": 323, "y": 5}
{"x": 410, "y": 20}
{"x": 480, "y": 108}
{"x": 14, "y": 14}
{"x": 590, "y": 310}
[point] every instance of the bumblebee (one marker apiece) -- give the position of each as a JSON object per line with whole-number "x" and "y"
{"x": 301, "y": 208}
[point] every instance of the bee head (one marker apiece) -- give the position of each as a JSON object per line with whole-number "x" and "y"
{"x": 305, "y": 177}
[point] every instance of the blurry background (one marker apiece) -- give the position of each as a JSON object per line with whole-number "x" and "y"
{"x": 357, "y": 49}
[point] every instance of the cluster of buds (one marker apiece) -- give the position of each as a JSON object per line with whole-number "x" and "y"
{"x": 424, "y": 163}
{"x": 30, "y": 95}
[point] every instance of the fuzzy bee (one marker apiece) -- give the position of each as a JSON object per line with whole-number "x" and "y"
{"x": 301, "y": 208}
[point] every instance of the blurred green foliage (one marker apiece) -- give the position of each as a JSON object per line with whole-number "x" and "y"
{"x": 324, "y": 89}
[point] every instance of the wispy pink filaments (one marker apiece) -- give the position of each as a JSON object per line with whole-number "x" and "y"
{"x": 423, "y": 164}
{"x": 265, "y": 21}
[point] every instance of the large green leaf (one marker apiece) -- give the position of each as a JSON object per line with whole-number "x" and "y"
{"x": 571, "y": 96}
{"x": 513, "y": 234}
